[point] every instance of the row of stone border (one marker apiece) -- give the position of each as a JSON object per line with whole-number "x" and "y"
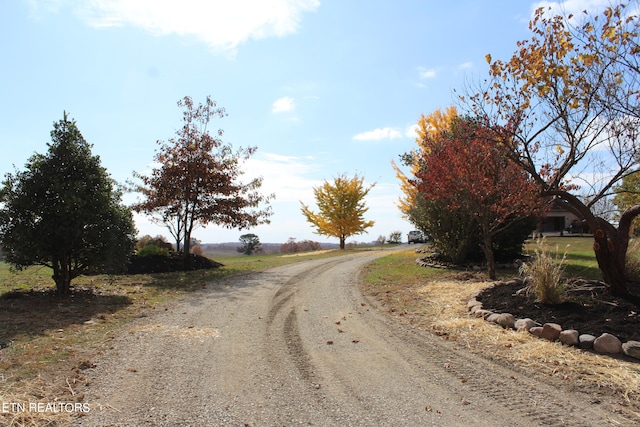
{"x": 604, "y": 344}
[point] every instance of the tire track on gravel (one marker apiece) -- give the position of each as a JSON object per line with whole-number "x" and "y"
{"x": 473, "y": 384}
{"x": 480, "y": 381}
{"x": 265, "y": 360}
{"x": 282, "y": 326}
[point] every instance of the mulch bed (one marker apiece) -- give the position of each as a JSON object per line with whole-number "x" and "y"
{"x": 587, "y": 308}
{"x": 167, "y": 264}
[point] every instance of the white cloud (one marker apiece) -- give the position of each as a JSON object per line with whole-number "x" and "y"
{"x": 426, "y": 74}
{"x": 223, "y": 25}
{"x": 412, "y": 131}
{"x": 286, "y": 176}
{"x": 378, "y": 134}
{"x": 465, "y": 66}
{"x": 283, "y": 105}
{"x": 383, "y": 198}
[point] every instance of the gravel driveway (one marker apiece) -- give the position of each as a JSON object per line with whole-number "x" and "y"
{"x": 299, "y": 345}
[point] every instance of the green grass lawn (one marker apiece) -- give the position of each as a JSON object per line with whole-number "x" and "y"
{"x": 39, "y": 278}
{"x": 401, "y": 267}
{"x": 580, "y": 262}
{"x": 580, "y": 259}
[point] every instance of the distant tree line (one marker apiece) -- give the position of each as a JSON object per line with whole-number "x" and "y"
{"x": 292, "y": 246}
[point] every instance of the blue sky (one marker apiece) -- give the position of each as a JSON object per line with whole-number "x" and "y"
{"x": 322, "y": 88}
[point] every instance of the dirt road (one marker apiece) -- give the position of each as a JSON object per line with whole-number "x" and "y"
{"x": 299, "y": 345}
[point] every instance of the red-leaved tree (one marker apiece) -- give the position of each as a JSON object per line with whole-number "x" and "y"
{"x": 465, "y": 167}
{"x": 197, "y": 181}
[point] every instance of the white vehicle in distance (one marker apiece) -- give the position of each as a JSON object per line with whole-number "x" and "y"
{"x": 415, "y": 236}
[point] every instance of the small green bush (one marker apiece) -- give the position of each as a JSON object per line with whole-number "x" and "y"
{"x": 545, "y": 274}
{"x": 153, "y": 250}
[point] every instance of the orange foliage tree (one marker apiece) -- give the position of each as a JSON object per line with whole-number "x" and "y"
{"x": 426, "y": 127}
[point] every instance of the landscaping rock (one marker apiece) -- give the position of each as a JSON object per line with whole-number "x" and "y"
{"x": 536, "y": 330}
{"x": 482, "y": 313}
{"x": 586, "y": 341}
{"x": 473, "y": 303}
{"x": 524, "y": 324}
{"x": 608, "y": 344}
{"x": 551, "y": 331}
{"x": 493, "y": 318}
{"x": 632, "y": 349}
{"x": 506, "y": 320}
{"x": 514, "y": 281}
{"x": 570, "y": 337}
{"x": 475, "y": 308}
{"x": 476, "y": 294}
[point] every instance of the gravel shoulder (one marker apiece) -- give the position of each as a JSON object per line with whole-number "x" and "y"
{"x": 299, "y": 344}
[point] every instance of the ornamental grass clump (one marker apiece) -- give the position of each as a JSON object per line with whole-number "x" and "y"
{"x": 544, "y": 274}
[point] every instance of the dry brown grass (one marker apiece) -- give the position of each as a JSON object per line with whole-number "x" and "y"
{"x": 27, "y": 393}
{"x": 438, "y": 304}
{"x": 46, "y": 343}
{"x": 49, "y": 369}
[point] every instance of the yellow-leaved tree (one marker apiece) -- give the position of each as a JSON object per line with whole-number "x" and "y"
{"x": 570, "y": 99}
{"x": 427, "y": 128}
{"x": 341, "y": 208}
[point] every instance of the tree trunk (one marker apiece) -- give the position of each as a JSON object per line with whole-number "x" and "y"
{"x": 342, "y": 240}
{"x": 610, "y": 247}
{"x": 487, "y": 248}
{"x": 612, "y": 265}
{"x": 610, "y": 243}
{"x": 62, "y": 277}
{"x": 187, "y": 248}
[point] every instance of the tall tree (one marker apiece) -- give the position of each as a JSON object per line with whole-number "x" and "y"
{"x": 341, "y": 208}
{"x": 63, "y": 212}
{"x": 426, "y": 128}
{"x": 451, "y": 231}
{"x": 569, "y": 98}
{"x": 464, "y": 167}
{"x": 197, "y": 180}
